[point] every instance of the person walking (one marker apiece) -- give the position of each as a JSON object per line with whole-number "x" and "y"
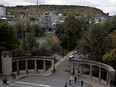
{"x": 5, "y": 80}
{"x": 78, "y": 74}
{"x": 81, "y": 82}
{"x": 66, "y": 84}
{"x": 75, "y": 78}
{"x": 14, "y": 75}
{"x": 69, "y": 82}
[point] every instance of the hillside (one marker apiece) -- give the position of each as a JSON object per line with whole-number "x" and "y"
{"x": 65, "y": 9}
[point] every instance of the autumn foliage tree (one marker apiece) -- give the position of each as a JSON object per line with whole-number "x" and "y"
{"x": 110, "y": 56}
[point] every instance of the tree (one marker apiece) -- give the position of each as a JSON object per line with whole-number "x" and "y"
{"x": 38, "y": 31}
{"x": 8, "y": 37}
{"x": 29, "y": 29}
{"x": 21, "y": 26}
{"x": 71, "y": 31}
{"x": 110, "y": 56}
{"x": 45, "y": 49}
{"x": 112, "y": 37}
{"x": 29, "y": 42}
{"x": 94, "y": 43}
{"x": 97, "y": 41}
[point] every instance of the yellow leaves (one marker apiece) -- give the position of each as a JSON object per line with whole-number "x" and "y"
{"x": 54, "y": 38}
{"x": 110, "y": 56}
{"x": 112, "y": 37}
{"x": 22, "y": 22}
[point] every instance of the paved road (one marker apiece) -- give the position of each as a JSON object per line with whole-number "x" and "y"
{"x": 58, "y": 79}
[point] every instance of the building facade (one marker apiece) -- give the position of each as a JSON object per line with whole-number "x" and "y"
{"x": 2, "y": 11}
{"x": 48, "y": 21}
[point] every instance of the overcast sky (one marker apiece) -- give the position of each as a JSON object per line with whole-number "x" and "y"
{"x": 108, "y": 6}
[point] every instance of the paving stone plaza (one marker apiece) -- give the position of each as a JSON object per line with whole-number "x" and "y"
{"x": 48, "y": 79}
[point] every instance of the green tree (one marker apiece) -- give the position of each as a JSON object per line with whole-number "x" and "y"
{"x": 30, "y": 29}
{"x": 29, "y": 42}
{"x": 95, "y": 42}
{"x": 38, "y": 31}
{"x": 45, "y": 49}
{"x": 113, "y": 38}
{"x": 21, "y": 26}
{"x": 8, "y": 37}
{"x": 71, "y": 31}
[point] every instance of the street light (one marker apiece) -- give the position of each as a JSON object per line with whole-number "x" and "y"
{"x": 53, "y": 59}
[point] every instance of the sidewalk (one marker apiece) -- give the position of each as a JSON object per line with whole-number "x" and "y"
{"x": 93, "y": 82}
{"x": 90, "y": 81}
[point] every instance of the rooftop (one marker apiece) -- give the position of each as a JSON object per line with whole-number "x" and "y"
{"x": 1, "y": 5}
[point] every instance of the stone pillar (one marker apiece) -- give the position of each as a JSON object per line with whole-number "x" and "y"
{"x": 6, "y": 62}
{"x": 111, "y": 78}
{"x": 81, "y": 69}
{"x": 26, "y": 66}
{"x": 107, "y": 77}
{"x": 17, "y": 65}
{"x": 72, "y": 68}
{"x": 99, "y": 73}
{"x": 35, "y": 65}
{"x": 44, "y": 65}
{"x": 52, "y": 64}
{"x": 90, "y": 71}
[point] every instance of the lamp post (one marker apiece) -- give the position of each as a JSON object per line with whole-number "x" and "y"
{"x": 54, "y": 69}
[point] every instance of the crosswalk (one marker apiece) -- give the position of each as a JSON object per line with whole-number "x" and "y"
{"x": 25, "y": 84}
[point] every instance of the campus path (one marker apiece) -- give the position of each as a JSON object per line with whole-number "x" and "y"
{"x": 57, "y": 79}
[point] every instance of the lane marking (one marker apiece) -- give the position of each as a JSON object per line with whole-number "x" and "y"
{"x": 32, "y": 84}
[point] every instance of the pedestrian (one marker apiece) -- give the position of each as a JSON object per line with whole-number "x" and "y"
{"x": 69, "y": 82}
{"x": 66, "y": 84}
{"x": 18, "y": 72}
{"x": 81, "y": 82}
{"x": 78, "y": 73}
{"x": 75, "y": 78}
{"x": 14, "y": 75}
{"x": 6, "y": 80}
{"x": 26, "y": 71}
{"x": 3, "y": 81}
{"x": 54, "y": 70}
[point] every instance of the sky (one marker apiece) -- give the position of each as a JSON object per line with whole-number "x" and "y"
{"x": 107, "y": 6}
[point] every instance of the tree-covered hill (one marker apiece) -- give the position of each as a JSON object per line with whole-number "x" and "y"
{"x": 65, "y": 9}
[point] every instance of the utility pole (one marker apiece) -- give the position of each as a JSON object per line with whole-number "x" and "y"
{"x": 36, "y": 8}
{"x": 37, "y": 2}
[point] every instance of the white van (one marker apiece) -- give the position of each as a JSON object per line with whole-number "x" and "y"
{"x": 71, "y": 56}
